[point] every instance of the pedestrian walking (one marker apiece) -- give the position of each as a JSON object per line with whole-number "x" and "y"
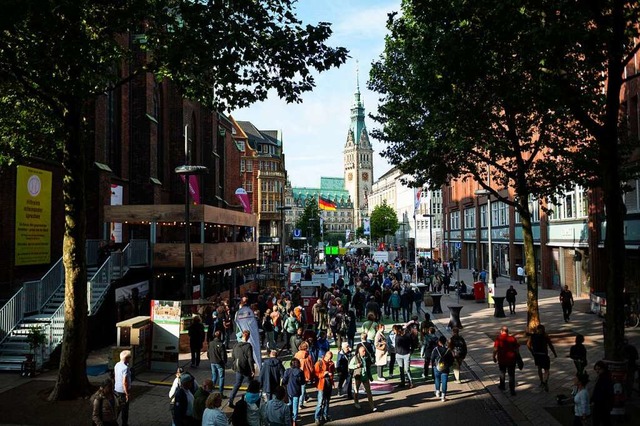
{"x": 306, "y": 364}
{"x": 217, "y": 354}
{"x": 442, "y": 360}
{"x": 325, "y": 369}
{"x": 183, "y": 405}
{"x": 294, "y": 380}
{"x": 122, "y": 384}
{"x": 539, "y": 344}
{"x": 566, "y": 300}
{"x": 380, "y": 345}
{"x": 213, "y": 415}
{"x": 200, "y": 399}
{"x": 602, "y": 395}
{"x": 196, "y": 339}
{"x": 105, "y": 405}
{"x": 511, "y": 299}
{"x": 404, "y": 348}
{"x": 458, "y": 348}
{"x": 505, "y": 353}
{"x": 243, "y": 364}
{"x": 360, "y": 365}
{"x": 428, "y": 345}
{"x": 394, "y": 304}
{"x": 391, "y": 348}
{"x": 520, "y": 273}
{"x": 578, "y": 353}
{"x": 581, "y": 409}
{"x": 271, "y": 374}
{"x": 342, "y": 367}
{"x": 276, "y": 411}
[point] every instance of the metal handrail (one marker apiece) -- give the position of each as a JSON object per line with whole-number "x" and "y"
{"x": 11, "y": 314}
{"x": 48, "y": 283}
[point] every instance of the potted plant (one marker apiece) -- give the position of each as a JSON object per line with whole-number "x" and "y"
{"x": 36, "y": 337}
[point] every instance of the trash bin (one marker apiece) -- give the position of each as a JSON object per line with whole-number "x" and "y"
{"x": 478, "y": 291}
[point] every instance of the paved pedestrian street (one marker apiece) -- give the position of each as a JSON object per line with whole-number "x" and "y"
{"x": 476, "y": 399}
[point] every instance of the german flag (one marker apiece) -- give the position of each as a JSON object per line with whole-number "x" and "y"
{"x": 325, "y": 204}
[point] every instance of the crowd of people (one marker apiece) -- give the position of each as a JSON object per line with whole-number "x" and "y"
{"x": 347, "y": 320}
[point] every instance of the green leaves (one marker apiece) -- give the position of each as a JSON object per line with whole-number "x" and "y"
{"x": 384, "y": 221}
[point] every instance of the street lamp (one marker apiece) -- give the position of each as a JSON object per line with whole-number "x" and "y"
{"x": 431, "y": 217}
{"x": 483, "y": 192}
{"x": 186, "y": 171}
{"x": 282, "y": 245}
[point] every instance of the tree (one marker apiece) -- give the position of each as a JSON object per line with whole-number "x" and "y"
{"x": 459, "y": 101}
{"x": 384, "y": 221}
{"x": 514, "y": 82}
{"x": 309, "y": 221}
{"x": 61, "y": 55}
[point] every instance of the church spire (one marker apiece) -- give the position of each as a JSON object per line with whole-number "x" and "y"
{"x": 357, "y": 76}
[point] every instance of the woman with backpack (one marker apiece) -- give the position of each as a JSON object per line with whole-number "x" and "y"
{"x": 441, "y": 359}
{"x": 458, "y": 348}
{"x": 429, "y": 344}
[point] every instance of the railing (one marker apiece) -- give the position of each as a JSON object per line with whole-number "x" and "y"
{"x": 11, "y": 314}
{"x": 118, "y": 263}
{"x": 46, "y": 287}
{"x": 137, "y": 253}
{"x": 56, "y": 330}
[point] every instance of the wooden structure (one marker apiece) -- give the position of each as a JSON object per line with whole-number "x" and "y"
{"x": 237, "y": 246}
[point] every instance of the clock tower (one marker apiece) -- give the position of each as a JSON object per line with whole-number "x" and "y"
{"x": 358, "y": 160}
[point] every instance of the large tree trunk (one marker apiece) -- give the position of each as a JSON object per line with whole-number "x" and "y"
{"x": 72, "y": 376}
{"x": 533, "y": 313}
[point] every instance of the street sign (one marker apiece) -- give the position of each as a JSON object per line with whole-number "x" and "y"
{"x": 297, "y": 235}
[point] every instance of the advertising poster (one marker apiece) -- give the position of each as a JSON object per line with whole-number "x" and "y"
{"x": 116, "y": 200}
{"x": 33, "y": 216}
{"x": 165, "y": 317}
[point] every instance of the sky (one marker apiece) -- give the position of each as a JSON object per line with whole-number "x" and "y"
{"x": 314, "y": 131}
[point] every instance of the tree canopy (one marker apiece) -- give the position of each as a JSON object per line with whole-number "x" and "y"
{"x": 517, "y": 86}
{"x": 57, "y": 57}
{"x": 309, "y": 221}
{"x": 384, "y": 221}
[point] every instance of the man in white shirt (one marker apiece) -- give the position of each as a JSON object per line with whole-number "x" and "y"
{"x": 520, "y": 272}
{"x": 122, "y": 385}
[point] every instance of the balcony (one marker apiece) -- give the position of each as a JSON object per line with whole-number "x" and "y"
{"x": 220, "y": 242}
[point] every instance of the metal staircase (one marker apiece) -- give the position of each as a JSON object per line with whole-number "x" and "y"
{"x": 41, "y": 303}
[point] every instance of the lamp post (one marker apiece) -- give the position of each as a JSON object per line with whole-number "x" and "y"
{"x": 187, "y": 170}
{"x": 282, "y": 245}
{"x": 490, "y": 249}
{"x": 430, "y": 216}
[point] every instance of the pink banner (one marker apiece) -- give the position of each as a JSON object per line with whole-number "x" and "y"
{"x": 194, "y": 188}
{"x": 244, "y": 199}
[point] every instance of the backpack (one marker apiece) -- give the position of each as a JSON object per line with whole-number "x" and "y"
{"x": 442, "y": 361}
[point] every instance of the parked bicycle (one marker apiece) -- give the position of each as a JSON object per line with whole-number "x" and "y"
{"x": 631, "y": 314}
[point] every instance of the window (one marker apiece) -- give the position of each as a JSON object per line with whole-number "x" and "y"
{"x": 469, "y": 218}
{"x": 248, "y": 186}
{"x": 455, "y": 220}
{"x": 631, "y": 197}
{"x": 483, "y": 216}
{"x": 249, "y": 165}
{"x": 573, "y": 204}
{"x": 499, "y": 214}
{"x": 242, "y": 168}
{"x": 240, "y": 144}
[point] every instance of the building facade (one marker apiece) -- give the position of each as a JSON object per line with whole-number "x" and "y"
{"x": 358, "y": 160}
{"x": 264, "y": 177}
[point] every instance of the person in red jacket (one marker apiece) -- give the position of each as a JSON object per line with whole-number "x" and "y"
{"x": 505, "y": 353}
{"x": 324, "y": 368}
{"x": 306, "y": 364}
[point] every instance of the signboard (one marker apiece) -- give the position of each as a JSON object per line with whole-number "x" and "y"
{"x": 33, "y": 216}
{"x": 165, "y": 348}
{"x": 297, "y": 235}
{"x": 492, "y": 292}
{"x": 131, "y": 300}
